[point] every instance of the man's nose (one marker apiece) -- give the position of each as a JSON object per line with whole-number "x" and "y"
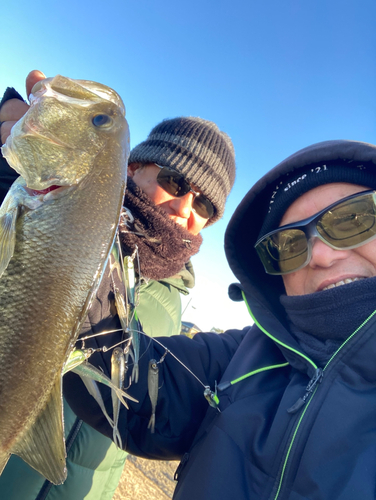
{"x": 183, "y": 205}
{"x": 325, "y": 256}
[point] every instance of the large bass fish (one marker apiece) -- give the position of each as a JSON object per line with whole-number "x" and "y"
{"x": 57, "y": 226}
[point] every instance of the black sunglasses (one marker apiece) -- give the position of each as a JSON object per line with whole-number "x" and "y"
{"x": 346, "y": 224}
{"x": 175, "y": 184}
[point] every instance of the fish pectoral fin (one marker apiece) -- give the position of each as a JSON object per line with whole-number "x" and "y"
{"x": 7, "y": 237}
{"x": 43, "y": 446}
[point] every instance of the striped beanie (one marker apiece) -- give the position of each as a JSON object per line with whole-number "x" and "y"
{"x": 197, "y": 149}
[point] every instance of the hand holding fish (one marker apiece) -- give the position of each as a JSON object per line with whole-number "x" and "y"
{"x": 14, "y": 109}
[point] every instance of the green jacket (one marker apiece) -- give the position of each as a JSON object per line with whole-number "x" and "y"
{"x": 93, "y": 461}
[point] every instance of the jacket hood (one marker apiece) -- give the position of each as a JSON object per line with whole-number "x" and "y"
{"x": 245, "y": 224}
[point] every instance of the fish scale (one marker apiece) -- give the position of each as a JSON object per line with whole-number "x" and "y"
{"x": 60, "y": 253}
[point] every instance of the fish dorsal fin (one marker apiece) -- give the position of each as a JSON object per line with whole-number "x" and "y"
{"x": 43, "y": 447}
{"x": 7, "y": 238}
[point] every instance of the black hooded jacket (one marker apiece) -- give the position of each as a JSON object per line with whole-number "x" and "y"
{"x": 283, "y": 428}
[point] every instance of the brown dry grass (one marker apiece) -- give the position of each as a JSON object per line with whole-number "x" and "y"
{"x": 146, "y": 480}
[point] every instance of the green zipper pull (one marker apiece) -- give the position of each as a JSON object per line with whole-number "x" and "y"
{"x": 316, "y": 379}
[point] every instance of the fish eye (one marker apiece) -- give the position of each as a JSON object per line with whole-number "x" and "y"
{"x": 100, "y": 121}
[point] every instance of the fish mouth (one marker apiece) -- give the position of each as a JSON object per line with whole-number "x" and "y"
{"x": 50, "y": 193}
{"x": 36, "y": 192}
{"x": 342, "y": 282}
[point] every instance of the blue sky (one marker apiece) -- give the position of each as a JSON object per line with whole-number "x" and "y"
{"x": 275, "y": 75}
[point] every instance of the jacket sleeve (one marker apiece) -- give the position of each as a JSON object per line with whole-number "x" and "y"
{"x": 181, "y": 404}
{"x": 7, "y": 174}
{"x": 7, "y": 177}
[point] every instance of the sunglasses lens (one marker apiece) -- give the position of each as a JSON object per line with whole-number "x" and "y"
{"x": 175, "y": 184}
{"x": 203, "y": 206}
{"x": 345, "y": 225}
{"x": 350, "y": 223}
{"x": 283, "y": 251}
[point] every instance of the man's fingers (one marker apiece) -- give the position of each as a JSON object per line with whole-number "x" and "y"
{"x": 13, "y": 110}
{"x": 32, "y": 78}
{"x": 10, "y": 112}
{"x": 5, "y": 131}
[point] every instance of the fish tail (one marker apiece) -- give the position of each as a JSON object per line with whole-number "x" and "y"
{"x": 135, "y": 373}
{"x": 43, "y": 445}
{"x": 120, "y": 396}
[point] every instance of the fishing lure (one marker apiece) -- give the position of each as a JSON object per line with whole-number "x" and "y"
{"x": 93, "y": 390}
{"x": 90, "y": 371}
{"x": 134, "y": 324}
{"x": 77, "y": 357}
{"x": 117, "y": 378}
{"x": 126, "y": 310}
{"x": 153, "y": 386}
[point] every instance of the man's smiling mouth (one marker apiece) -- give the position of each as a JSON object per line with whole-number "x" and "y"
{"x": 342, "y": 282}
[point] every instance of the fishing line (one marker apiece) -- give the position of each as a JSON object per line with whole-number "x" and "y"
{"x": 99, "y": 334}
{"x": 106, "y": 349}
{"x": 118, "y": 243}
{"x": 177, "y": 359}
{"x": 210, "y": 396}
{"x": 131, "y": 317}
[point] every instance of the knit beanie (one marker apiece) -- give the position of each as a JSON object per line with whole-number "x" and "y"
{"x": 293, "y": 185}
{"x": 196, "y": 148}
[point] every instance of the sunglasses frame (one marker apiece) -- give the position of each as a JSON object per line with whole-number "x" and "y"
{"x": 309, "y": 228}
{"x": 190, "y": 190}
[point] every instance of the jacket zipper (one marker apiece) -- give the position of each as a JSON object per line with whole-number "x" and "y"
{"x": 315, "y": 380}
{"x": 313, "y": 393}
{"x": 282, "y": 477}
{"x": 310, "y": 390}
{"x": 312, "y": 386}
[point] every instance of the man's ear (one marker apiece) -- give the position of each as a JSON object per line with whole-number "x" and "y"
{"x": 132, "y": 167}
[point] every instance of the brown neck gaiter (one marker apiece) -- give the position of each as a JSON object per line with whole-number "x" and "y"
{"x": 164, "y": 247}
